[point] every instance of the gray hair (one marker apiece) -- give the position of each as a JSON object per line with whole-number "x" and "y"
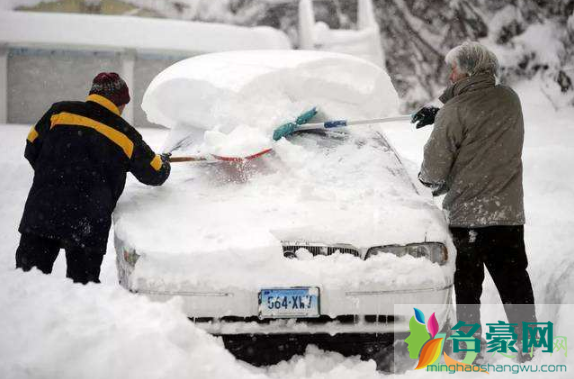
{"x": 472, "y": 58}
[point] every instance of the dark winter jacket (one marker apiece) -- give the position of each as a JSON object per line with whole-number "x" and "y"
{"x": 81, "y": 152}
{"x": 475, "y": 154}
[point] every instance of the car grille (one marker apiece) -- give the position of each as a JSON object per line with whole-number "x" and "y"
{"x": 290, "y": 248}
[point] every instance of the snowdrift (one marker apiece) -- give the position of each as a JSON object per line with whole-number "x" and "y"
{"x": 100, "y": 331}
{"x": 238, "y": 98}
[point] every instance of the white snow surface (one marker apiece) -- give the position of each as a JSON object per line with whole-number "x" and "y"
{"x": 53, "y": 328}
{"x": 101, "y": 332}
{"x": 237, "y": 215}
{"x": 241, "y": 97}
{"x": 121, "y": 32}
{"x": 349, "y": 189}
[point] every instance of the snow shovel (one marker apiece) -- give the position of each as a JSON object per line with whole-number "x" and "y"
{"x": 215, "y": 158}
{"x": 302, "y": 119}
{"x": 288, "y": 129}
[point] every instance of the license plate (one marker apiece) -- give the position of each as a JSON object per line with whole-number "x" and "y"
{"x": 297, "y": 302}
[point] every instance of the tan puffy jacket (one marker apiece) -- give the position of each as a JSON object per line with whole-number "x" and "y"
{"x": 474, "y": 154}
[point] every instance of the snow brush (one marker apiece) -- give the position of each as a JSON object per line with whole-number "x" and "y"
{"x": 290, "y": 128}
{"x": 302, "y": 119}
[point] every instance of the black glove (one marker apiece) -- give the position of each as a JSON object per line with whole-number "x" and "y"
{"x": 165, "y": 157}
{"x": 425, "y": 116}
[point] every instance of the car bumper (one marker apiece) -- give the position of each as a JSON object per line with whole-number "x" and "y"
{"x": 372, "y": 311}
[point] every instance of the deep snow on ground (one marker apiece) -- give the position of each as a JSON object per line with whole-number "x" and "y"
{"x": 52, "y": 328}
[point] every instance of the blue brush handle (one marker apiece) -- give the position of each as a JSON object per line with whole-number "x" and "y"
{"x": 334, "y": 124}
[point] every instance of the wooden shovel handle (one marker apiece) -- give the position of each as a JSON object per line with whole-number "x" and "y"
{"x": 186, "y": 159}
{"x": 218, "y": 158}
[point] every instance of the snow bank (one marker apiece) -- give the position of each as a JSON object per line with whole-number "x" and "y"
{"x": 142, "y": 34}
{"x": 53, "y": 328}
{"x": 318, "y": 364}
{"x": 257, "y": 91}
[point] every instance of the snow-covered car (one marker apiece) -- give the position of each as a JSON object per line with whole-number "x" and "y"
{"x": 313, "y": 242}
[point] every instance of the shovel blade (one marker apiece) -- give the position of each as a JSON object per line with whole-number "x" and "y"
{"x": 239, "y": 159}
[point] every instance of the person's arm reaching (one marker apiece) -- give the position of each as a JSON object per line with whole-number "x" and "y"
{"x": 440, "y": 152}
{"x": 148, "y": 167}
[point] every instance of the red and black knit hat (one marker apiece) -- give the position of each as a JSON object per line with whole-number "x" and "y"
{"x": 112, "y": 87}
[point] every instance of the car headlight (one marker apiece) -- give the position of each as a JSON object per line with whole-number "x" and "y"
{"x": 434, "y": 251}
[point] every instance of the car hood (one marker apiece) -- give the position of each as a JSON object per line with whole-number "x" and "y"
{"x": 349, "y": 189}
{"x": 340, "y": 189}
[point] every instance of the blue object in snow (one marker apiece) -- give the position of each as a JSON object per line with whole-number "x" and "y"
{"x": 290, "y": 127}
{"x": 335, "y": 124}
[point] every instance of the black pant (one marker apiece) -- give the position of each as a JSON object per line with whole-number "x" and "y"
{"x": 83, "y": 264}
{"x": 501, "y": 249}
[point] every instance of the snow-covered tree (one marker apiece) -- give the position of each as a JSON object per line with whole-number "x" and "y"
{"x": 530, "y": 37}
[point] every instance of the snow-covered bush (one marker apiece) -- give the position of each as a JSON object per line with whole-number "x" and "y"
{"x": 531, "y": 37}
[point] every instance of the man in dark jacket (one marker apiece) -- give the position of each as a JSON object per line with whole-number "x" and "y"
{"x": 474, "y": 156}
{"x": 80, "y": 153}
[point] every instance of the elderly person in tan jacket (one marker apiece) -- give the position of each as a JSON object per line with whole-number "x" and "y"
{"x": 474, "y": 156}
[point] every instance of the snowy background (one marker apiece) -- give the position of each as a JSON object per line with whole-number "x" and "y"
{"x": 51, "y": 328}
{"x": 531, "y": 37}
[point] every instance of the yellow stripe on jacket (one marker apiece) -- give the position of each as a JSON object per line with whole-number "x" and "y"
{"x": 112, "y": 134}
{"x": 156, "y": 163}
{"x": 33, "y": 134}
